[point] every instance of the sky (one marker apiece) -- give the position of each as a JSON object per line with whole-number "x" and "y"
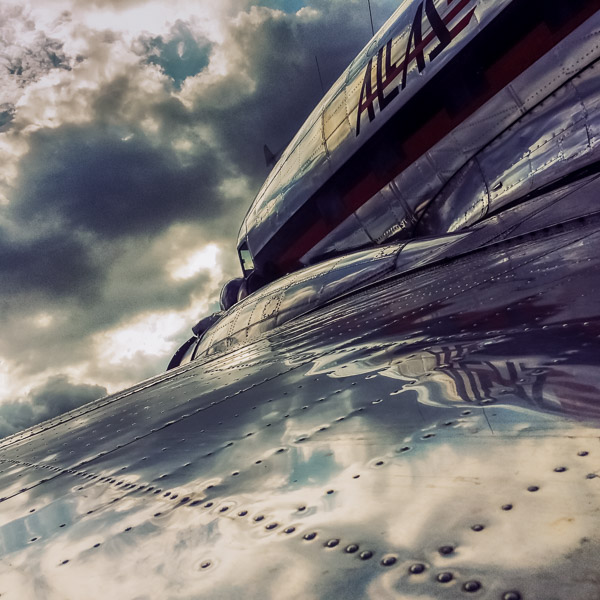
{"x": 131, "y": 136}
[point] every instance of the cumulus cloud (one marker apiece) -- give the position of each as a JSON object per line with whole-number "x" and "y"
{"x": 56, "y": 396}
{"x": 131, "y": 136}
{"x": 26, "y": 53}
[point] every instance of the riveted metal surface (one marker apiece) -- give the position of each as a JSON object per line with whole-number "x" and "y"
{"x": 433, "y": 435}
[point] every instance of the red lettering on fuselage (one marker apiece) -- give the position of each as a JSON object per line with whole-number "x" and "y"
{"x": 386, "y": 72}
{"x": 366, "y": 102}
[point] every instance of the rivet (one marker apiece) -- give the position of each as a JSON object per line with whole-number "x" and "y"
{"x": 208, "y": 505}
{"x": 507, "y": 507}
{"x": 271, "y": 526}
{"x": 332, "y": 543}
{"x": 583, "y": 453}
{"x": 64, "y": 562}
{"x": 478, "y": 527}
{"x": 205, "y": 565}
{"x": 378, "y": 463}
{"x": 128, "y": 529}
{"x": 97, "y": 545}
{"x": 533, "y": 488}
{"x": 365, "y": 555}
{"x": 445, "y": 577}
{"x": 351, "y": 548}
{"x": 289, "y": 530}
{"x": 511, "y": 596}
{"x": 591, "y": 476}
{"x": 472, "y": 586}
{"x": 242, "y": 513}
{"x": 388, "y": 561}
{"x": 330, "y": 491}
{"x": 301, "y": 508}
{"x": 33, "y": 539}
{"x": 310, "y": 536}
{"x": 416, "y": 568}
{"x": 157, "y": 514}
{"x": 446, "y": 550}
{"x": 259, "y": 518}
{"x": 224, "y": 509}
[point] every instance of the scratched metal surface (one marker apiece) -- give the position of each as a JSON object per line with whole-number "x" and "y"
{"x": 433, "y": 436}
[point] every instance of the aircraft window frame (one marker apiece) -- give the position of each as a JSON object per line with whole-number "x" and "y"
{"x": 246, "y": 260}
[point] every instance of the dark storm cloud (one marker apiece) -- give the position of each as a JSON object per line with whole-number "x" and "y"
{"x": 56, "y": 264}
{"x": 180, "y": 54}
{"x": 56, "y": 396}
{"x": 91, "y": 179}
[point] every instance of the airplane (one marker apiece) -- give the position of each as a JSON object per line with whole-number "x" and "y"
{"x": 399, "y": 397}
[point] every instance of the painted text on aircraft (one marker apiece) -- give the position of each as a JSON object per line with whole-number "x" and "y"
{"x": 438, "y": 39}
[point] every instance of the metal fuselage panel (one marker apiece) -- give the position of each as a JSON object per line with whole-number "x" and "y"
{"x": 432, "y": 436}
{"x": 437, "y": 84}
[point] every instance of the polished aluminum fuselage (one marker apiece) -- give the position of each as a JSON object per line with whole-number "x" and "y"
{"x": 452, "y": 110}
{"x": 432, "y": 436}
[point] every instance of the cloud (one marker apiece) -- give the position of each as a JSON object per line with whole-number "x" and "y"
{"x": 26, "y": 54}
{"x": 56, "y": 396}
{"x": 90, "y": 178}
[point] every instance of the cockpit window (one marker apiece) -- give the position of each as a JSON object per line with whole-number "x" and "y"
{"x": 246, "y": 260}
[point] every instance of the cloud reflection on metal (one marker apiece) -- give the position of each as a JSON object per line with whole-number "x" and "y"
{"x": 437, "y": 443}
